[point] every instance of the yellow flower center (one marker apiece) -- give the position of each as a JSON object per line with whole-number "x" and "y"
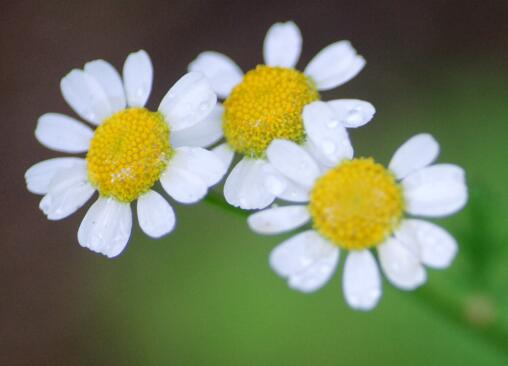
{"x": 267, "y": 105}
{"x": 357, "y": 204}
{"x": 128, "y": 153}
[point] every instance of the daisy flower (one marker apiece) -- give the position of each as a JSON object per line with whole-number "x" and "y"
{"x": 359, "y": 205}
{"x": 266, "y": 104}
{"x": 131, "y": 149}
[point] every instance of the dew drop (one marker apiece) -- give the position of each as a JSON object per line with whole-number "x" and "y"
{"x": 243, "y": 201}
{"x": 140, "y": 91}
{"x": 274, "y": 185}
{"x": 332, "y": 123}
{"x": 203, "y": 106}
{"x": 354, "y": 116}
{"x": 89, "y": 113}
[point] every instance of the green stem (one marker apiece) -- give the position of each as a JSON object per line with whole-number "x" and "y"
{"x": 445, "y": 307}
{"x": 454, "y": 312}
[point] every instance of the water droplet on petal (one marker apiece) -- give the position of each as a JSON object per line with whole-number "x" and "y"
{"x": 204, "y": 106}
{"x": 354, "y": 116}
{"x": 274, "y": 185}
{"x": 332, "y": 123}
{"x": 243, "y": 201}
{"x": 89, "y": 113}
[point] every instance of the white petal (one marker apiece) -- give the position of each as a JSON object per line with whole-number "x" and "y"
{"x": 294, "y": 193}
{"x": 416, "y": 153}
{"x": 68, "y": 191}
{"x": 284, "y": 188}
{"x": 322, "y": 160}
{"x": 361, "y": 282}
{"x": 182, "y": 185}
{"x": 222, "y": 72}
{"x": 282, "y": 45}
{"x": 400, "y": 265}
{"x": 86, "y": 96}
{"x": 293, "y": 161}
{"x": 436, "y": 247}
{"x": 335, "y": 65}
{"x": 156, "y": 217}
{"x": 137, "y": 78}
{"x": 438, "y": 190}
{"x": 278, "y": 219}
{"x": 225, "y": 154}
{"x": 328, "y": 136}
{"x": 307, "y": 260}
{"x": 62, "y": 133}
{"x": 189, "y": 101}
{"x": 275, "y": 182}
{"x": 39, "y": 176}
{"x": 245, "y": 186}
{"x": 201, "y": 162}
{"x": 202, "y": 134}
{"x": 352, "y": 113}
{"x": 110, "y": 81}
{"x": 106, "y": 227}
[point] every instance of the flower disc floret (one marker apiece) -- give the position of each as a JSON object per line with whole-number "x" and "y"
{"x": 267, "y": 105}
{"x": 356, "y": 205}
{"x": 128, "y": 153}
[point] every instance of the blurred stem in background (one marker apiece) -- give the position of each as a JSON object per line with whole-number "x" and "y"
{"x": 475, "y": 315}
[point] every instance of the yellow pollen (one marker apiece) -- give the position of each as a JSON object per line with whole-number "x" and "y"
{"x": 267, "y": 105}
{"x": 128, "y": 153}
{"x": 357, "y": 204}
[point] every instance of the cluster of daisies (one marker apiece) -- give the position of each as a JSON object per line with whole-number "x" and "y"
{"x": 291, "y": 146}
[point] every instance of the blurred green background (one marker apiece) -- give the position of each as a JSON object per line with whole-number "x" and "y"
{"x": 205, "y": 295}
